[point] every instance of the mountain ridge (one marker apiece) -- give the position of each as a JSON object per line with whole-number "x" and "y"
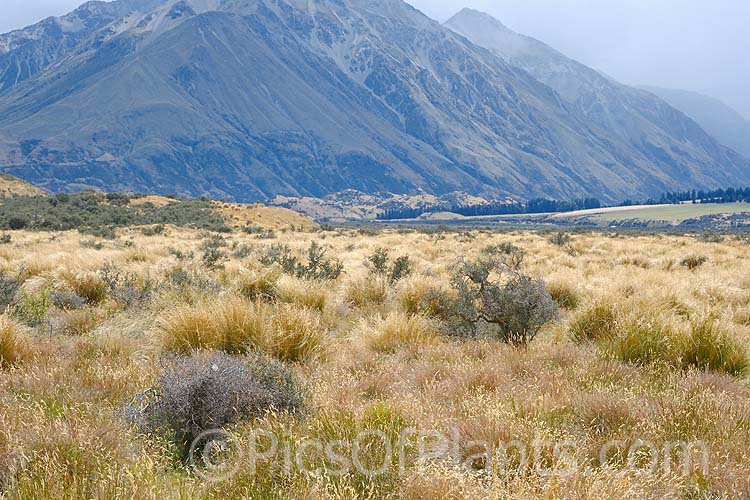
{"x": 250, "y": 100}
{"x": 717, "y": 118}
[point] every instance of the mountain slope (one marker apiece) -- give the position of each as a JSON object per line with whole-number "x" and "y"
{"x": 716, "y": 118}
{"x": 636, "y": 116}
{"x": 249, "y": 99}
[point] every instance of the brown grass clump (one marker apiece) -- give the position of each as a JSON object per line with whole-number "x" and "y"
{"x": 710, "y": 347}
{"x": 88, "y": 285}
{"x": 75, "y": 323}
{"x": 367, "y": 292}
{"x": 566, "y": 296}
{"x": 235, "y": 325}
{"x": 232, "y": 325}
{"x": 15, "y": 346}
{"x": 414, "y": 291}
{"x": 296, "y": 334}
{"x": 304, "y": 293}
{"x": 399, "y": 330}
{"x": 262, "y": 285}
{"x": 598, "y": 322}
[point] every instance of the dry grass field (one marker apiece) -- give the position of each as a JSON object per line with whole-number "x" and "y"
{"x": 342, "y": 376}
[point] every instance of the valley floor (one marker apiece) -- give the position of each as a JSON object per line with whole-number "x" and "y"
{"x": 648, "y": 354}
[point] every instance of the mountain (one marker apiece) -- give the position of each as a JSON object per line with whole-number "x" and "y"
{"x": 628, "y": 112}
{"x": 718, "y": 119}
{"x": 250, "y": 99}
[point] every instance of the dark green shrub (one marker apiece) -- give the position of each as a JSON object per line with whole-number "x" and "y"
{"x": 693, "y": 262}
{"x": 214, "y": 258}
{"x": 318, "y": 266}
{"x": 560, "y": 239}
{"x": 9, "y": 287}
{"x": 6, "y": 239}
{"x": 381, "y": 265}
{"x": 17, "y": 223}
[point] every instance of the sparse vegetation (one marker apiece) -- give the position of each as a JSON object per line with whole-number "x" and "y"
{"x": 277, "y": 338}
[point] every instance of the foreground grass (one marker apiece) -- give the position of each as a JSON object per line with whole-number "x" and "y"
{"x": 646, "y": 349}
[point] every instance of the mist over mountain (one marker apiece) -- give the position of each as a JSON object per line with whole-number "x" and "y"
{"x": 716, "y": 118}
{"x": 250, "y": 99}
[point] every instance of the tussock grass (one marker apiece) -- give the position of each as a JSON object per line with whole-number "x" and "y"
{"x": 296, "y": 334}
{"x": 236, "y": 325}
{"x": 232, "y": 325}
{"x": 413, "y": 292}
{"x": 15, "y": 345}
{"x": 598, "y": 322}
{"x": 261, "y": 285}
{"x": 88, "y": 285}
{"x": 399, "y": 331}
{"x": 304, "y": 293}
{"x": 709, "y": 346}
{"x": 566, "y": 296}
{"x": 369, "y": 291}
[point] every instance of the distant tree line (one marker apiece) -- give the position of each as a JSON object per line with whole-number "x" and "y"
{"x": 729, "y": 195}
{"x": 535, "y": 206}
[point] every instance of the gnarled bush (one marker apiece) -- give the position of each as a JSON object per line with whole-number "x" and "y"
{"x": 210, "y": 391}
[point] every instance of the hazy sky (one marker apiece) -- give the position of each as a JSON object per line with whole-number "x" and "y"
{"x": 700, "y": 45}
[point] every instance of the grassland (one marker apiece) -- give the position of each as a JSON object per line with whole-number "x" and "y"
{"x": 649, "y": 347}
{"x": 659, "y": 213}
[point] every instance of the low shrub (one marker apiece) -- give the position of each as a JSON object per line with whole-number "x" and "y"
{"x": 560, "y": 239}
{"x": 209, "y": 391}
{"x": 398, "y": 330}
{"x": 65, "y": 300}
{"x": 9, "y": 287}
{"x": 497, "y": 301}
{"x": 693, "y": 262}
{"x": 127, "y": 289}
{"x": 598, "y": 322}
{"x": 6, "y": 239}
{"x": 393, "y": 272}
{"x": 33, "y": 308}
{"x": 14, "y": 343}
{"x": 317, "y": 267}
{"x": 213, "y": 258}
{"x": 155, "y": 230}
{"x": 565, "y": 295}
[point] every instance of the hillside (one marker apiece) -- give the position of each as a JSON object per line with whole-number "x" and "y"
{"x": 247, "y": 100}
{"x": 12, "y": 186}
{"x": 717, "y": 118}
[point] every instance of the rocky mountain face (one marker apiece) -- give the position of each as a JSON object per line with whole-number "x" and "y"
{"x": 250, "y": 99}
{"x": 718, "y": 119}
